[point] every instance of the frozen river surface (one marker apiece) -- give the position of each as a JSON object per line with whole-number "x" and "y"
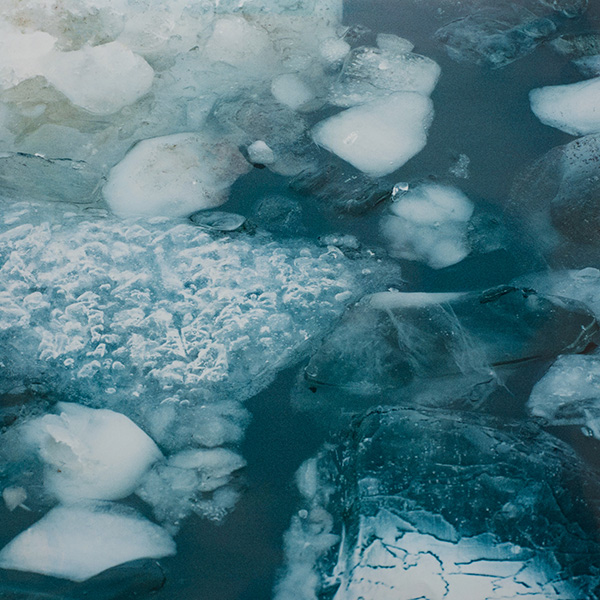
{"x": 299, "y": 299}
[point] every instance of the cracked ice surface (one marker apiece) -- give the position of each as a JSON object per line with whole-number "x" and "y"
{"x": 164, "y": 323}
{"x": 440, "y": 506}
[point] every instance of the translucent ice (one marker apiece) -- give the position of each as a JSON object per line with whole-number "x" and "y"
{"x": 91, "y": 453}
{"x": 77, "y": 542}
{"x": 380, "y": 136}
{"x": 574, "y": 108}
{"x": 392, "y": 339}
{"x": 174, "y": 175}
{"x": 438, "y": 506}
{"x": 429, "y": 223}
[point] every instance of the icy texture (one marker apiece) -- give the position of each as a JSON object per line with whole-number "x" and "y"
{"x": 371, "y": 73}
{"x": 441, "y": 506}
{"x": 259, "y": 153}
{"x": 588, "y": 65}
{"x": 569, "y": 393}
{"x": 91, "y": 453}
{"x": 380, "y": 136}
{"x": 173, "y": 176}
{"x": 574, "y": 108}
{"x": 497, "y": 33}
{"x": 556, "y": 197}
{"x": 77, "y": 542}
{"x": 429, "y": 223}
{"x": 162, "y": 321}
{"x": 393, "y": 339}
{"x": 290, "y": 90}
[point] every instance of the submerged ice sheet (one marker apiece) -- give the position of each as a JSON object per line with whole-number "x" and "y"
{"x": 441, "y": 506}
{"x": 79, "y": 541}
{"x": 391, "y": 340}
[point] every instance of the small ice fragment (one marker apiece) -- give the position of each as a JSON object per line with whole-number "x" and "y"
{"x": 460, "y": 168}
{"x": 173, "y": 176}
{"x": 399, "y": 190}
{"x": 90, "y": 453}
{"x": 380, "y": 136}
{"x": 13, "y": 497}
{"x": 333, "y": 50}
{"x": 290, "y": 90}
{"x": 80, "y": 541}
{"x": 259, "y": 153}
{"x": 101, "y": 79}
{"x": 573, "y": 108}
{"x": 218, "y": 221}
{"x": 393, "y": 43}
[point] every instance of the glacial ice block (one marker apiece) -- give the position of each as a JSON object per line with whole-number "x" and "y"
{"x": 444, "y": 506}
{"x": 101, "y": 79}
{"x": 429, "y": 223}
{"x": 174, "y": 176}
{"x": 573, "y": 108}
{"x": 91, "y": 453}
{"x": 380, "y": 136}
{"x": 79, "y": 541}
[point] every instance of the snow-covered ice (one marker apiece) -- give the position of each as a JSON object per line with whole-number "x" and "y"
{"x": 380, "y": 136}
{"x": 429, "y": 223}
{"x": 77, "y": 542}
{"x": 91, "y": 453}
{"x": 573, "y": 108}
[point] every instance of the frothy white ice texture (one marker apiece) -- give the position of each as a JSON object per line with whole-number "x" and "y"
{"x": 380, "y": 136}
{"x": 573, "y": 108}
{"x": 78, "y": 542}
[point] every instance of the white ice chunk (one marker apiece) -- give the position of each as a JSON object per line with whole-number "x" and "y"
{"x": 91, "y": 453}
{"x": 13, "y": 497}
{"x": 380, "y": 136}
{"x": 333, "y": 50}
{"x": 101, "y": 79}
{"x": 290, "y": 90}
{"x": 573, "y": 108}
{"x": 259, "y": 153}
{"x": 22, "y": 54}
{"x": 429, "y": 223}
{"x": 78, "y": 542}
{"x": 174, "y": 176}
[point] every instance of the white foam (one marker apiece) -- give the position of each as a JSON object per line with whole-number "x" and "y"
{"x": 573, "y": 108}
{"x": 380, "y": 136}
{"x": 78, "y": 542}
{"x": 174, "y": 175}
{"x": 91, "y": 453}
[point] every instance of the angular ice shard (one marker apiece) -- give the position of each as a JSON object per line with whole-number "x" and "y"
{"x": 569, "y": 393}
{"x": 429, "y": 223}
{"x": 573, "y": 108}
{"x": 174, "y": 176}
{"x": 371, "y": 73}
{"x": 79, "y": 541}
{"x": 91, "y": 453}
{"x": 101, "y": 79}
{"x": 380, "y": 136}
{"x": 556, "y": 197}
{"x": 442, "y": 506}
{"x": 392, "y": 339}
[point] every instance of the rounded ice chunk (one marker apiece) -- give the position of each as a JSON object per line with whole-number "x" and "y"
{"x": 333, "y": 50}
{"x": 90, "y": 453}
{"x": 259, "y": 153}
{"x": 573, "y": 108}
{"x": 101, "y": 79}
{"x": 380, "y": 136}
{"x": 78, "y": 542}
{"x": 173, "y": 175}
{"x": 290, "y": 90}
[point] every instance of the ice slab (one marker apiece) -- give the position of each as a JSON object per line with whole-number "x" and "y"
{"x": 391, "y": 340}
{"x": 173, "y": 176}
{"x": 573, "y": 108}
{"x": 371, "y": 73}
{"x": 380, "y": 136}
{"x": 429, "y": 223}
{"x": 91, "y": 453}
{"x": 439, "y": 505}
{"x": 80, "y": 541}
